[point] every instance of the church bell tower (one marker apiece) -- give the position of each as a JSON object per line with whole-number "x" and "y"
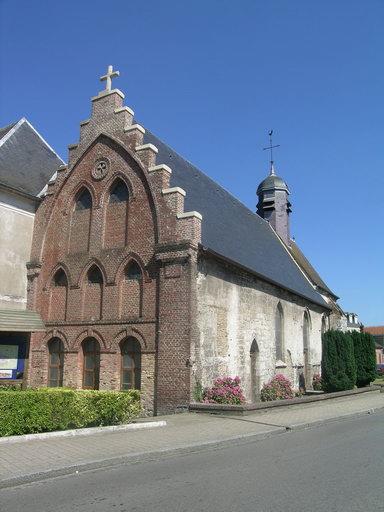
{"x": 274, "y": 205}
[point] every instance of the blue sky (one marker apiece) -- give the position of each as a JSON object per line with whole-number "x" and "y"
{"x": 211, "y": 78}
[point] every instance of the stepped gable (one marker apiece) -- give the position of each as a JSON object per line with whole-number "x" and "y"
{"x": 231, "y": 230}
{"x": 27, "y": 162}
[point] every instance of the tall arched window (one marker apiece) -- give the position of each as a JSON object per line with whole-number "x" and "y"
{"x": 132, "y": 291}
{"x": 306, "y": 331}
{"x": 58, "y": 297}
{"x": 93, "y": 294}
{"x": 116, "y": 217}
{"x": 130, "y": 364}
{"x": 91, "y": 364}
{"x": 279, "y": 333}
{"x": 306, "y": 341}
{"x": 81, "y": 222}
{"x": 255, "y": 371}
{"x": 323, "y": 324}
{"x": 55, "y": 363}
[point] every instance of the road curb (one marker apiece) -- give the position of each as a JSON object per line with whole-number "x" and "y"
{"x": 304, "y": 426}
{"x": 140, "y": 457}
{"x": 197, "y": 447}
{"x": 82, "y": 432}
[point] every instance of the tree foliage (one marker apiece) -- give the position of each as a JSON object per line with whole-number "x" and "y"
{"x": 338, "y": 367}
{"x": 365, "y": 358}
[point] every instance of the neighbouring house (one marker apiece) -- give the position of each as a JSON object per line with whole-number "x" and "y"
{"x": 27, "y": 162}
{"x": 353, "y": 323}
{"x": 147, "y": 274}
{"x": 378, "y": 334}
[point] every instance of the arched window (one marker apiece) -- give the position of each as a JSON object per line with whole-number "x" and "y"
{"x": 119, "y": 192}
{"x": 93, "y": 294}
{"x": 279, "y": 333}
{"x": 116, "y": 217}
{"x": 323, "y": 324}
{"x": 81, "y": 222}
{"x": 306, "y": 331}
{"x": 130, "y": 364}
{"x": 55, "y": 363}
{"x": 133, "y": 271}
{"x": 131, "y": 291}
{"x": 255, "y": 372}
{"x": 91, "y": 364}
{"x": 94, "y": 275}
{"x": 58, "y": 296}
{"x": 83, "y": 200}
{"x": 307, "y": 384}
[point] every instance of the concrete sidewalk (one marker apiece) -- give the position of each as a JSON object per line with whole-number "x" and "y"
{"x": 38, "y": 459}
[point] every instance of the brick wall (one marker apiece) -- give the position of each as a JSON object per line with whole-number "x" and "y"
{"x": 154, "y": 309}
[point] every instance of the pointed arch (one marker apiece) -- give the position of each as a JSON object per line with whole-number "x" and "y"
{"x": 324, "y": 326}
{"x": 58, "y": 296}
{"x": 131, "y": 290}
{"x": 255, "y": 370}
{"x": 92, "y": 262}
{"x": 92, "y": 292}
{"x": 81, "y": 217}
{"x": 279, "y": 333}
{"x": 135, "y": 164}
{"x": 307, "y": 374}
{"x": 306, "y": 329}
{"x": 116, "y": 214}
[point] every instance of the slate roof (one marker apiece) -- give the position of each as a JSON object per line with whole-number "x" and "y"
{"x": 27, "y": 162}
{"x": 231, "y": 230}
{"x": 308, "y": 268}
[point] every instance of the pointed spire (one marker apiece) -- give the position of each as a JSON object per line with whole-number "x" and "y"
{"x": 272, "y": 170}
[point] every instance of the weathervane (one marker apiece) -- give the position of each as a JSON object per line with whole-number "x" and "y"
{"x": 270, "y": 147}
{"x": 108, "y": 77}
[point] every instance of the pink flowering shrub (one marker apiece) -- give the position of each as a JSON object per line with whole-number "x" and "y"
{"x": 224, "y": 391}
{"x": 317, "y": 383}
{"x": 278, "y": 388}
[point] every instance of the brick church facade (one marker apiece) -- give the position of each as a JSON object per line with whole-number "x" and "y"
{"x": 140, "y": 275}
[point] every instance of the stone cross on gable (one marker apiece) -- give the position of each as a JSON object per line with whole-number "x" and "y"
{"x": 108, "y": 77}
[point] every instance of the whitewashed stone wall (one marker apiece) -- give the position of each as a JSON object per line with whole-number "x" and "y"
{"x": 16, "y": 226}
{"x": 233, "y": 309}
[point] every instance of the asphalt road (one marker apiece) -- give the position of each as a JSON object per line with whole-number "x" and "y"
{"x": 334, "y": 468}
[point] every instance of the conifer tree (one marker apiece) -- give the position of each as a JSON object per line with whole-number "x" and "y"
{"x": 338, "y": 367}
{"x": 365, "y": 358}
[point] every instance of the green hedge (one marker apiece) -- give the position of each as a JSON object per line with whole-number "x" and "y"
{"x": 338, "y": 367}
{"x": 48, "y": 409}
{"x": 365, "y": 358}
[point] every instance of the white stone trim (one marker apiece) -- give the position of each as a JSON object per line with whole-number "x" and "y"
{"x": 53, "y": 178}
{"x": 161, "y": 167}
{"x": 135, "y": 127}
{"x": 105, "y": 93}
{"x": 16, "y": 210}
{"x": 85, "y": 122}
{"x": 187, "y": 215}
{"x": 124, "y": 109}
{"x": 12, "y": 131}
{"x": 147, "y": 146}
{"x": 43, "y": 140}
{"x": 173, "y": 190}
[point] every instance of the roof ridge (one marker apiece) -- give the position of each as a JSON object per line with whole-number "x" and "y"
{"x": 232, "y": 196}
